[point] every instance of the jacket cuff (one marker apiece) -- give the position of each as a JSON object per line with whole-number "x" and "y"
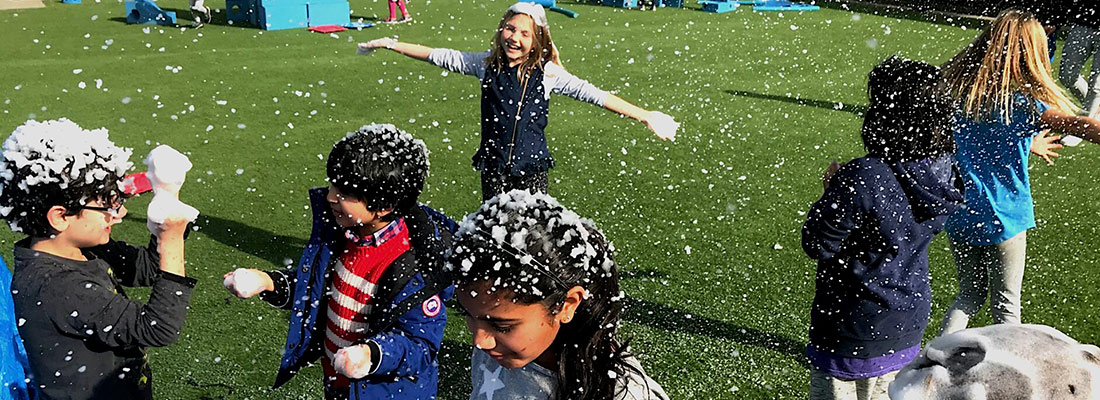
{"x": 375, "y": 356}
{"x": 183, "y": 280}
{"x": 280, "y": 297}
{"x": 389, "y": 353}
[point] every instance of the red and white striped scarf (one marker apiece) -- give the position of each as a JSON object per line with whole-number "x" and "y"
{"x": 354, "y": 283}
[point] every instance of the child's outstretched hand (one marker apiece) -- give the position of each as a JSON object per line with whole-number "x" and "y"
{"x": 371, "y": 46}
{"x": 829, "y": 172}
{"x": 1044, "y": 144}
{"x": 353, "y": 361}
{"x": 245, "y": 283}
{"x": 662, "y": 125}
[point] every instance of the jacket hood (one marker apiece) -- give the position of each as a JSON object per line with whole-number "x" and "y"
{"x": 933, "y": 186}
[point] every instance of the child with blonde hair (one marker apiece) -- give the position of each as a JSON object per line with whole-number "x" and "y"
{"x": 1005, "y": 92}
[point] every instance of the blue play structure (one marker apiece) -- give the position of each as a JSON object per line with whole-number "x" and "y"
{"x": 552, "y": 5}
{"x": 778, "y": 5}
{"x": 718, "y": 6}
{"x": 634, "y": 3}
{"x": 147, "y": 12}
{"x": 620, "y": 3}
{"x": 288, "y": 14}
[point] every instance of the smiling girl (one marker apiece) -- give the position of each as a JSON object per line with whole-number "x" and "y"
{"x": 541, "y": 296}
{"x": 517, "y": 77}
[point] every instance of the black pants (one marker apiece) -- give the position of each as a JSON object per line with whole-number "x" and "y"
{"x": 494, "y": 182}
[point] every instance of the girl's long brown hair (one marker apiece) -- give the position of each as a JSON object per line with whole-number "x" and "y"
{"x": 542, "y": 48}
{"x": 1009, "y": 57}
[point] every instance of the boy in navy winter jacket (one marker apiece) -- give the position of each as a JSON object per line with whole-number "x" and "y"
{"x": 870, "y": 233}
{"x": 367, "y": 296}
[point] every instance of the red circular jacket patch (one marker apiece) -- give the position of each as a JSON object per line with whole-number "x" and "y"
{"x": 432, "y": 306}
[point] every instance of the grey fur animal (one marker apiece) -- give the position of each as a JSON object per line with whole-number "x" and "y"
{"x": 1002, "y": 362}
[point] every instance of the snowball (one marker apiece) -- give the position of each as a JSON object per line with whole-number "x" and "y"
{"x": 167, "y": 166}
{"x": 244, "y": 282}
{"x": 167, "y": 172}
{"x": 353, "y": 362}
{"x": 663, "y": 125}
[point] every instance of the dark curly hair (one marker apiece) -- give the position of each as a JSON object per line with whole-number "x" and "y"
{"x": 380, "y": 165}
{"x": 910, "y": 118}
{"x": 533, "y": 250}
{"x": 56, "y": 163}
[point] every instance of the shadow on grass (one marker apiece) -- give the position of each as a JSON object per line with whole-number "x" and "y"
{"x": 211, "y": 391}
{"x": 667, "y": 318}
{"x": 856, "y": 109}
{"x": 270, "y": 246}
{"x": 184, "y": 19}
{"x": 914, "y": 11}
{"x": 663, "y": 317}
{"x": 355, "y": 18}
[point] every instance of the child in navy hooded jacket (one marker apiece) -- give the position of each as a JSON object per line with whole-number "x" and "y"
{"x": 870, "y": 233}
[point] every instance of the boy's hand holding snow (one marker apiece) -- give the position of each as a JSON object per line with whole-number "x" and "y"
{"x": 371, "y": 46}
{"x": 662, "y": 125}
{"x": 167, "y": 172}
{"x": 245, "y": 283}
{"x": 171, "y": 228}
{"x": 353, "y": 361}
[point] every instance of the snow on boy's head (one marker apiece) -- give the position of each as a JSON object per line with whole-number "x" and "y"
{"x": 380, "y": 165}
{"x": 57, "y": 163}
{"x": 528, "y": 244}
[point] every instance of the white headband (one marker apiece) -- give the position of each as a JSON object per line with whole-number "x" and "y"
{"x": 535, "y": 11}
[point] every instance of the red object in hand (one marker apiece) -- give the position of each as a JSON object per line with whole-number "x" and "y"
{"x": 327, "y": 28}
{"x": 136, "y": 183}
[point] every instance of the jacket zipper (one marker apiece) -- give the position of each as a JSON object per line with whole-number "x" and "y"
{"x": 515, "y": 124}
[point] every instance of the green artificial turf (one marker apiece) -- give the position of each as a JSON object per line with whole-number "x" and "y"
{"x": 706, "y": 227}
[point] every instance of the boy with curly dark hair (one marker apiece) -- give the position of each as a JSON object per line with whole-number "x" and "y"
{"x": 85, "y": 339}
{"x": 367, "y": 297}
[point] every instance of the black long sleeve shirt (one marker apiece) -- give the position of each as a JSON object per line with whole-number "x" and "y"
{"x": 85, "y": 338}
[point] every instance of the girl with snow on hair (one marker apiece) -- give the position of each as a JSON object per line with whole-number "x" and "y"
{"x": 517, "y": 77}
{"x": 1004, "y": 89}
{"x": 540, "y": 293}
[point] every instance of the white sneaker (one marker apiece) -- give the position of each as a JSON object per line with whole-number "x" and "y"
{"x": 1071, "y": 141}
